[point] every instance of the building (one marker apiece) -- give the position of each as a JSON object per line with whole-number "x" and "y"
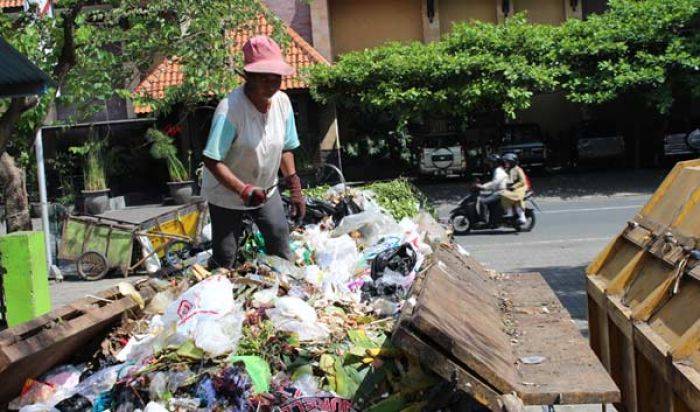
{"x": 339, "y": 26}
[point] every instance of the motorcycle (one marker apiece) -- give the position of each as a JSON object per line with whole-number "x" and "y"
{"x": 466, "y": 217}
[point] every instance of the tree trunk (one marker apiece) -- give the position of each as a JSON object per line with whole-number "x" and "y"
{"x": 14, "y": 194}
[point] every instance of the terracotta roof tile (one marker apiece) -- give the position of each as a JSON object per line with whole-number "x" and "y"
{"x": 299, "y": 54}
{"x": 5, "y": 4}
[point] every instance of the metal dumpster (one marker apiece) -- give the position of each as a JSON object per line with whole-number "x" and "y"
{"x": 644, "y": 299}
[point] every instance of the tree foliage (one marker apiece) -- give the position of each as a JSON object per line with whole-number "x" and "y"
{"x": 637, "y": 46}
{"x": 94, "y": 50}
{"x": 647, "y": 47}
{"x": 198, "y": 34}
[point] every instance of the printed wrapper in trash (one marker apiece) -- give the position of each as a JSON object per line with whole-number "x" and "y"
{"x": 207, "y": 314}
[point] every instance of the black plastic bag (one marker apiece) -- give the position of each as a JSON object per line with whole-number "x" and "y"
{"x": 76, "y": 403}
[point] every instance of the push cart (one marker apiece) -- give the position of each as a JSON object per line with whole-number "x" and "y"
{"x": 126, "y": 239}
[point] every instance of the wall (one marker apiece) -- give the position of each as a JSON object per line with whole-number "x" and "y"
{"x": 541, "y": 11}
{"x": 452, "y": 11}
{"x": 360, "y": 24}
{"x": 295, "y": 13}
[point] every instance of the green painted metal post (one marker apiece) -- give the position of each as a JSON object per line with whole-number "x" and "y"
{"x": 26, "y": 280}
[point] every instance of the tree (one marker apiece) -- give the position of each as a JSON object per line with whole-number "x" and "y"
{"x": 649, "y": 49}
{"x": 638, "y": 47}
{"x": 478, "y": 68}
{"x": 65, "y": 48}
{"x": 198, "y": 34}
{"x": 93, "y": 52}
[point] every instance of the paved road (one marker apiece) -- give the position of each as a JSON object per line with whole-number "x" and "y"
{"x": 568, "y": 235}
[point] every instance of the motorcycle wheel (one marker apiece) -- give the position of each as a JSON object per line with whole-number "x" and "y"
{"x": 461, "y": 224}
{"x": 529, "y": 225}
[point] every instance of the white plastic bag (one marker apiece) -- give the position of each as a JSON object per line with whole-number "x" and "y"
{"x": 208, "y": 314}
{"x": 155, "y": 407}
{"x": 293, "y": 315}
{"x": 372, "y": 224}
{"x": 266, "y": 297}
{"x": 338, "y": 254}
{"x": 152, "y": 262}
{"x": 220, "y": 336}
{"x": 206, "y": 233}
{"x": 314, "y": 276}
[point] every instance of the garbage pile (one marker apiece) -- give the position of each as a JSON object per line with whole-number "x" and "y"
{"x": 271, "y": 334}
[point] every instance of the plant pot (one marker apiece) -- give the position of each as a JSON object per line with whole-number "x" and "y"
{"x": 181, "y": 192}
{"x": 96, "y": 201}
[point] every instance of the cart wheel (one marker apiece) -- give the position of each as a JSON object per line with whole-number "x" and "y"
{"x": 177, "y": 252}
{"x": 92, "y": 265}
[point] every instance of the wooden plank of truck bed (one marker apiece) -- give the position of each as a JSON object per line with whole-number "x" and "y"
{"x": 485, "y": 324}
{"x": 32, "y": 348}
{"x": 570, "y": 372}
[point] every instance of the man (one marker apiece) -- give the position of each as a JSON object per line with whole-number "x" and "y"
{"x": 497, "y": 185}
{"x": 251, "y": 139}
{"x": 514, "y": 196}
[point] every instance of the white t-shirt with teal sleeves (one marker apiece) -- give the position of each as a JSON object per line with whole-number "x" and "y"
{"x": 250, "y": 143}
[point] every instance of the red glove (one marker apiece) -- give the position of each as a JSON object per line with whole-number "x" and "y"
{"x": 253, "y": 196}
{"x": 297, "y": 198}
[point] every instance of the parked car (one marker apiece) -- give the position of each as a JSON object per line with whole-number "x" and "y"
{"x": 527, "y": 141}
{"x": 596, "y": 141}
{"x": 678, "y": 143}
{"x": 442, "y": 155}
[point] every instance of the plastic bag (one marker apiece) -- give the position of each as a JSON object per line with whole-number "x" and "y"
{"x": 206, "y": 233}
{"x": 384, "y": 307}
{"x": 314, "y": 275}
{"x": 100, "y": 381}
{"x": 221, "y": 335}
{"x": 155, "y": 407}
{"x": 33, "y": 392}
{"x": 76, "y": 403}
{"x": 338, "y": 254}
{"x": 372, "y": 225}
{"x": 38, "y": 407}
{"x": 152, "y": 262}
{"x": 266, "y": 297}
{"x": 63, "y": 377}
{"x": 158, "y": 385}
{"x": 202, "y": 258}
{"x": 208, "y": 314}
{"x": 282, "y": 266}
{"x": 159, "y": 303}
{"x": 307, "y": 386}
{"x": 293, "y": 315}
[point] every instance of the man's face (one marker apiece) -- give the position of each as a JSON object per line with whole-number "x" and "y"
{"x": 263, "y": 85}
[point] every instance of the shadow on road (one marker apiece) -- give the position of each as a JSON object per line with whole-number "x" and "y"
{"x": 569, "y": 284}
{"x": 500, "y": 232}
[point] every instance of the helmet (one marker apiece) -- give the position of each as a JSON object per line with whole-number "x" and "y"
{"x": 511, "y": 158}
{"x": 494, "y": 158}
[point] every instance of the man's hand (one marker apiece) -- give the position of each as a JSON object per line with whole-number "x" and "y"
{"x": 297, "y": 198}
{"x": 253, "y": 196}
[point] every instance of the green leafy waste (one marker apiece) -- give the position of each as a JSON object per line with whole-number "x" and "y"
{"x": 398, "y": 197}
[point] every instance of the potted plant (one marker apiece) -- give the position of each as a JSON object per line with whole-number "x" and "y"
{"x": 180, "y": 184}
{"x": 95, "y": 192}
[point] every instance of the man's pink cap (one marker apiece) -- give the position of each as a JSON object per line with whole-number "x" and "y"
{"x": 262, "y": 55}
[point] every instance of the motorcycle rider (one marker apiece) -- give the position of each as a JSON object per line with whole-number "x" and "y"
{"x": 513, "y": 198}
{"x": 497, "y": 186}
